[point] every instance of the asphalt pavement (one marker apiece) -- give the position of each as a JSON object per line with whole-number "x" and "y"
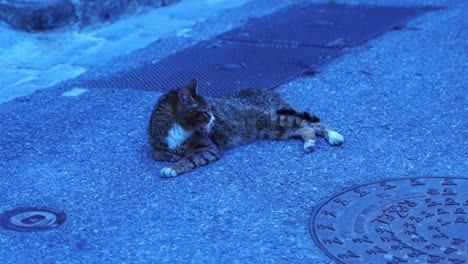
{"x": 399, "y": 100}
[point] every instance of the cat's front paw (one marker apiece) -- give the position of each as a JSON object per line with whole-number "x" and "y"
{"x": 335, "y": 138}
{"x": 168, "y": 172}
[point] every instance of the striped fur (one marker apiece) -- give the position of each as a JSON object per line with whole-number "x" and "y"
{"x": 193, "y": 131}
{"x": 304, "y": 115}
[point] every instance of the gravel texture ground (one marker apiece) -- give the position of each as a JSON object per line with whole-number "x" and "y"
{"x": 399, "y": 100}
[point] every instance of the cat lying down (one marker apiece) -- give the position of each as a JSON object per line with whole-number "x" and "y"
{"x": 193, "y": 131}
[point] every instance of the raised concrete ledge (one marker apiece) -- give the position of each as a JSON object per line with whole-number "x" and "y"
{"x": 37, "y": 15}
{"x": 40, "y": 15}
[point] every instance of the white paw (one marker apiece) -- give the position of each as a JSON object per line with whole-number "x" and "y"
{"x": 335, "y": 138}
{"x": 168, "y": 172}
{"x": 309, "y": 145}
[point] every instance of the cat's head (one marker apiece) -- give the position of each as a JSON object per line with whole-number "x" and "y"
{"x": 194, "y": 112}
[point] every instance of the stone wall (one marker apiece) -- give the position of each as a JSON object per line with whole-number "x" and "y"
{"x": 40, "y": 15}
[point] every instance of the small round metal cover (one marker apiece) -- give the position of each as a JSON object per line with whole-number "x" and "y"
{"x": 412, "y": 220}
{"x": 31, "y": 219}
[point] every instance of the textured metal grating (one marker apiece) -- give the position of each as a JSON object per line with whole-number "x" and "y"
{"x": 222, "y": 68}
{"x": 266, "y": 52}
{"x": 331, "y": 25}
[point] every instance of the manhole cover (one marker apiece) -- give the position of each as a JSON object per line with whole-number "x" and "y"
{"x": 31, "y": 219}
{"x": 415, "y": 220}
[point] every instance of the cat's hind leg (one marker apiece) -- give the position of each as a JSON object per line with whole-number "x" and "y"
{"x": 333, "y": 137}
{"x": 308, "y": 135}
{"x": 298, "y": 123}
{"x": 292, "y": 124}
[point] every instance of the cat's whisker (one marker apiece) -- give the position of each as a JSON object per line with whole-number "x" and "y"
{"x": 210, "y": 124}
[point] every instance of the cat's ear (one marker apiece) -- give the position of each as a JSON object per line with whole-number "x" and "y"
{"x": 185, "y": 96}
{"x": 187, "y": 93}
{"x": 193, "y": 86}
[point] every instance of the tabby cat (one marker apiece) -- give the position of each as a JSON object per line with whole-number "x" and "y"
{"x": 193, "y": 131}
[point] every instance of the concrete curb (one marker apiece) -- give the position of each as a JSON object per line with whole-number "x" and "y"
{"x": 32, "y": 15}
{"x": 37, "y": 15}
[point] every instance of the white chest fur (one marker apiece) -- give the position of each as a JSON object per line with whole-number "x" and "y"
{"x": 177, "y": 136}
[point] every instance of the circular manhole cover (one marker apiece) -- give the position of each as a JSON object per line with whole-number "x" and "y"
{"x": 415, "y": 220}
{"x": 30, "y": 219}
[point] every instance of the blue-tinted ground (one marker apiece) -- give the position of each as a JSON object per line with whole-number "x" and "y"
{"x": 399, "y": 100}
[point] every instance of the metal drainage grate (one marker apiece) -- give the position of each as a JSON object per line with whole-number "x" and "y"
{"x": 31, "y": 219}
{"x": 266, "y": 52}
{"x": 222, "y": 67}
{"x": 414, "y": 220}
{"x": 325, "y": 25}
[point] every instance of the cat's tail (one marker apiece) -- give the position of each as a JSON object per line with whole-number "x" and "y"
{"x": 304, "y": 115}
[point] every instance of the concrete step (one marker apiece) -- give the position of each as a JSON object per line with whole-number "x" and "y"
{"x": 37, "y": 15}
{"x": 41, "y": 15}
